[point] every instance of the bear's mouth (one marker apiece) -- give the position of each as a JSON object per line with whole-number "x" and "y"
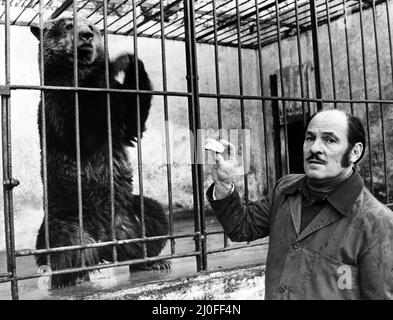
{"x": 85, "y": 48}
{"x": 85, "y": 53}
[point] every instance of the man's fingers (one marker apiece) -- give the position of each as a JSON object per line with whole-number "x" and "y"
{"x": 231, "y": 147}
{"x": 220, "y": 159}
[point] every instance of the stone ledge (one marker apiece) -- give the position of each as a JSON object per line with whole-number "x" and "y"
{"x": 246, "y": 283}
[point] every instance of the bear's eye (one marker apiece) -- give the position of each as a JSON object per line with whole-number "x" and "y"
{"x": 69, "y": 25}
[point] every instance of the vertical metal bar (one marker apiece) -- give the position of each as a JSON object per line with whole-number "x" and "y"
{"x": 299, "y": 48}
{"x": 317, "y": 66}
{"x": 261, "y": 76}
{"x": 241, "y": 92}
{"x": 217, "y": 66}
{"x": 7, "y": 163}
{"x": 331, "y": 52}
{"x": 218, "y": 84}
{"x": 43, "y": 134}
{"x": 194, "y": 118}
{"x": 284, "y": 108}
{"x": 109, "y": 127}
{"x": 276, "y": 126}
{"x": 380, "y": 98}
{"x": 77, "y": 134}
{"x": 348, "y": 54}
{"x": 166, "y": 115}
{"x": 139, "y": 129}
{"x": 390, "y": 47}
{"x": 390, "y": 36}
{"x": 366, "y": 93}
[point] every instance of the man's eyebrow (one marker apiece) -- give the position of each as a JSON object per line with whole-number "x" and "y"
{"x": 310, "y": 133}
{"x": 329, "y": 133}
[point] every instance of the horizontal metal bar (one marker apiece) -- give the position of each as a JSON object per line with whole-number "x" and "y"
{"x": 281, "y": 98}
{"x": 10, "y": 183}
{"x": 210, "y": 233}
{"x": 104, "y": 266}
{"x": 237, "y": 247}
{"x": 5, "y": 275}
{"x": 65, "y": 5}
{"x": 22, "y": 253}
{"x": 201, "y": 95}
{"x": 104, "y": 90}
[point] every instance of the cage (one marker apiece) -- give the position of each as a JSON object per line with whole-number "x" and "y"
{"x": 250, "y": 71}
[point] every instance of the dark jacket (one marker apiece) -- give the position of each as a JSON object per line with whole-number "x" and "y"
{"x": 343, "y": 253}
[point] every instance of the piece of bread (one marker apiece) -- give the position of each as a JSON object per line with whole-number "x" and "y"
{"x": 214, "y": 145}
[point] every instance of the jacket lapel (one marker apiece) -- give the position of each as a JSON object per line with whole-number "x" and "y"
{"x": 295, "y": 208}
{"x": 325, "y": 217}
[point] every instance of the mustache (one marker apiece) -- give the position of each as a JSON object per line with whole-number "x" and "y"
{"x": 315, "y": 157}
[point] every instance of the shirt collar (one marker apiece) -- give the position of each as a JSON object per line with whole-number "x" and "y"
{"x": 342, "y": 199}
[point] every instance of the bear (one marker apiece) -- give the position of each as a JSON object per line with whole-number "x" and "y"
{"x": 59, "y": 163}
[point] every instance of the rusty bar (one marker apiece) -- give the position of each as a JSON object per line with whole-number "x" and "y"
{"x": 348, "y": 53}
{"x": 108, "y": 265}
{"x": 218, "y": 84}
{"x": 65, "y": 5}
{"x": 139, "y": 129}
{"x": 87, "y": 89}
{"x": 237, "y": 248}
{"x": 263, "y": 105}
{"x": 300, "y": 59}
{"x": 241, "y": 92}
{"x": 8, "y": 182}
{"x": 327, "y": 2}
{"x": 284, "y": 108}
{"x": 109, "y": 128}
{"x": 276, "y": 127}
{"x": 366, "y": 94}
{"x": 380, "y": 98}
{"x": 317, "y": 66}
{"x": 43, "y": 134}
{"x": 167, "y": 140}
{"x": 194, "y": 123}
{"x": 77, "y": 133}
{"x": 21, "y": 253}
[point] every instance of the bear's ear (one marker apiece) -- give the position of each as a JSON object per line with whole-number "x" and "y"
{"x": 36, "y": 31}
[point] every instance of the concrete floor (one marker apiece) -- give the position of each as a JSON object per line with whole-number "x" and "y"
{"x": 113, "y": 279}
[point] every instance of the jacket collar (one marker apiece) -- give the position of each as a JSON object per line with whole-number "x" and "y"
{"x": 342, "y": 199}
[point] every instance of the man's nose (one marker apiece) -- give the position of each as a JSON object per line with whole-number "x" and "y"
{"x": 86, "y": 34}
{"x": 316, "y": 147}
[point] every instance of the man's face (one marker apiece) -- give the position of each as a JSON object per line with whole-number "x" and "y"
{"x": 325, "y": 145}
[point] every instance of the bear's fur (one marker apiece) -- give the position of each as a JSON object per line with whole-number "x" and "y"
{"x": 95, "y": 169}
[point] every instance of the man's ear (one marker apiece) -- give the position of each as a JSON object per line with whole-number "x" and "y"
{"x": 36, "y": 31}
{"x": 356, "y": 153}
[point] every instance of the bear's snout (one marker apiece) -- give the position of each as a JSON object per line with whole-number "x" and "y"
{"x": 85, "y": 35}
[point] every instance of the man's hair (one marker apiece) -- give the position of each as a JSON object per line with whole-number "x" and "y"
{"x": 355, "y": 134}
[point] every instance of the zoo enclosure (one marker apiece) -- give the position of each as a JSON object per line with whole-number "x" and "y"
{"x": 316, "y": 30}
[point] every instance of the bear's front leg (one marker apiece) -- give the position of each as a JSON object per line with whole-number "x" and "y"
{"x": 124, "y": 107}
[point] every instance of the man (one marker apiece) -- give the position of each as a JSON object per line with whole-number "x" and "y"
{"x": 329, "y": 238}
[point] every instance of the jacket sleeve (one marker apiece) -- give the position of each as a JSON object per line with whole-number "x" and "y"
{"x": 376, "y": 264}
{"x": 241, "y": 223}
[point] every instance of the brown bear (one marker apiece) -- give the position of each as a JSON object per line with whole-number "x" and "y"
{"x": 59, "y": 106}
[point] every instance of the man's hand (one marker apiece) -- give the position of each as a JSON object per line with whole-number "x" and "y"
{"x": 222, "y": 173}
